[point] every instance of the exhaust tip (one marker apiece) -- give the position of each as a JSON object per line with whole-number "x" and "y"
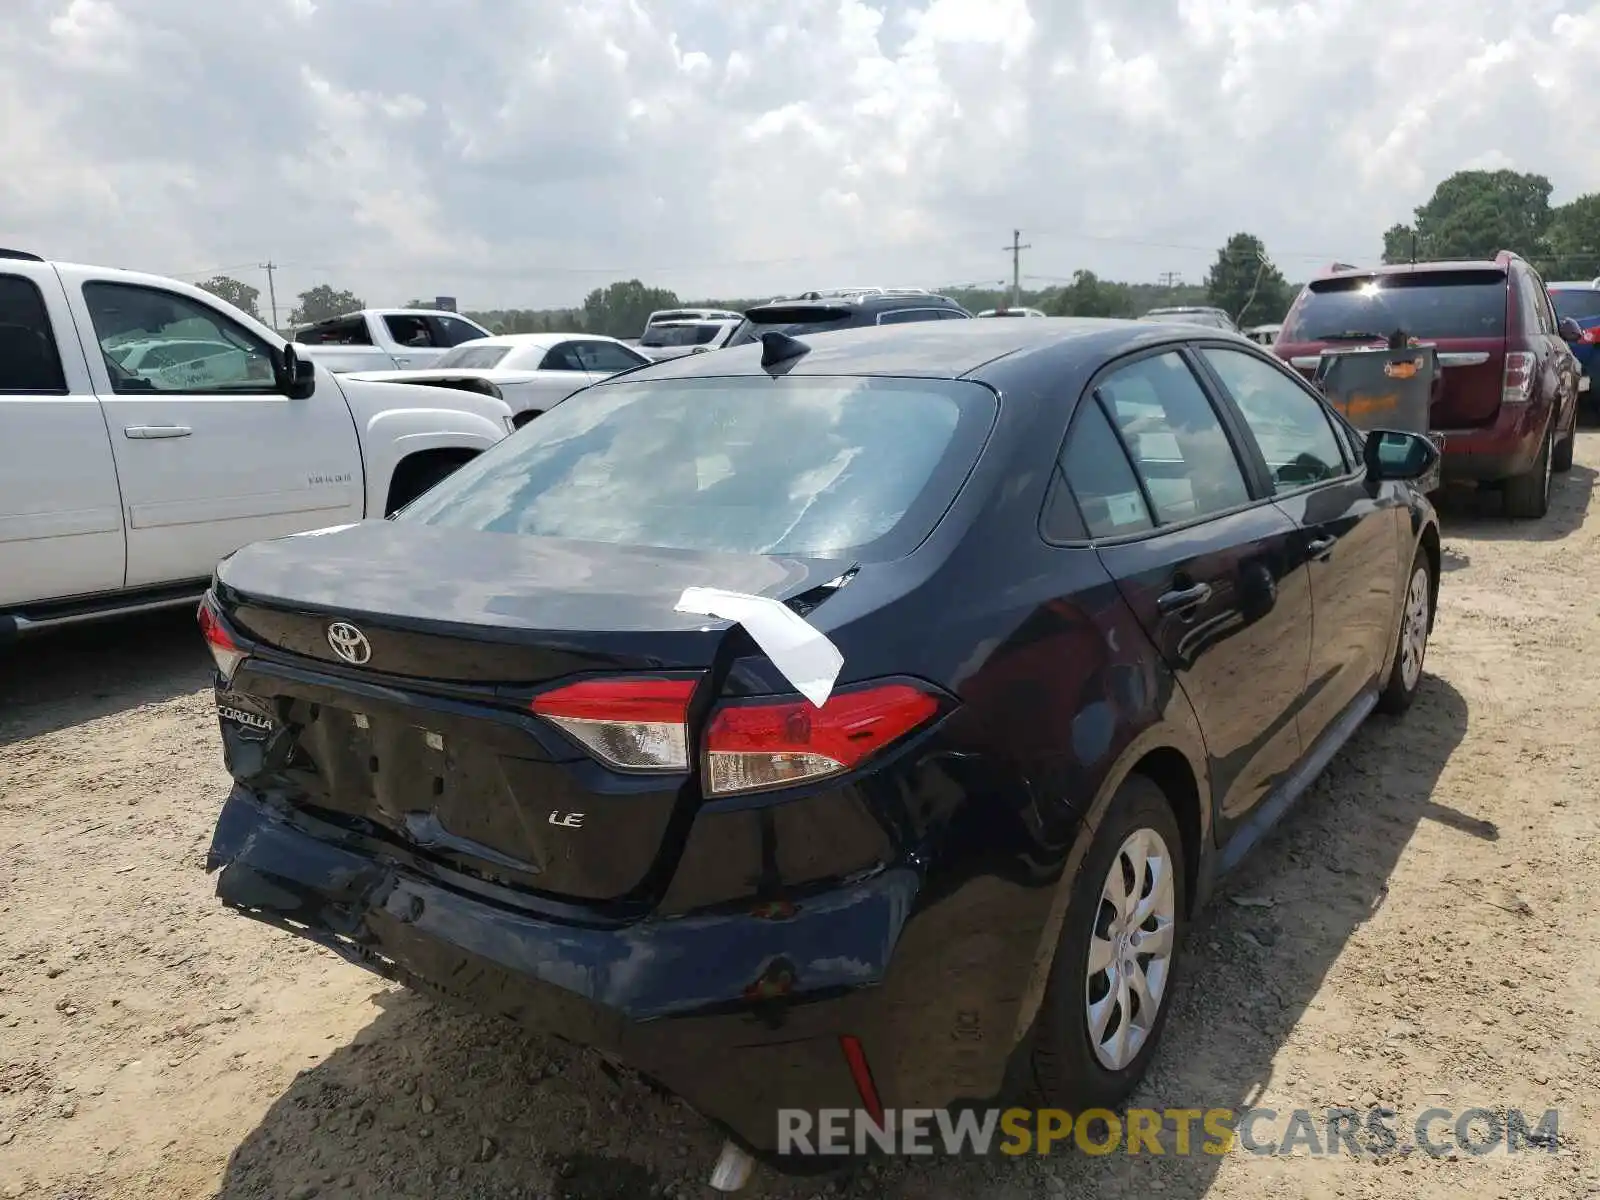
{"x": 733, "y": 1170}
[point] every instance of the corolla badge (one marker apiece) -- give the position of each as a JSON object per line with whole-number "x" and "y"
{"x": 349, "y": 643}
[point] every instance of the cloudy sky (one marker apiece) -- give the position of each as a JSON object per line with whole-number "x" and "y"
{"x": 520, "y": 152}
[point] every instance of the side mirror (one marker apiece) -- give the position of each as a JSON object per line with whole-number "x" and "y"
{"x": 297, "y": 377}
{"x": 1569, "y": 329}
{"x": 1389, "y": 454}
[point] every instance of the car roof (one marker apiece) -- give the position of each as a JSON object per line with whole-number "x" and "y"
{"x": 938, "y": 349}
{"x": 1575, "y": 285}
{"x": 534, "y": 339}
{"x": 1463, "y": 264}
{"x": 896, "y": 299}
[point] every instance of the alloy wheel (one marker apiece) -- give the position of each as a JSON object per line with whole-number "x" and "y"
{"x": 1414, "y": 633}
{"x": 1130, "y": 949}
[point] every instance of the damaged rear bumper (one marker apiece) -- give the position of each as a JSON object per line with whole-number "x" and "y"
{"x": 738, "y": 1013}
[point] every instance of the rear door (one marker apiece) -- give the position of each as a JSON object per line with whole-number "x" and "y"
{"x": 1212, "y": 572}
{"x": 210, "y": 454}
{"x": 60, "y": 511}
{"x": 1349, "y": 532}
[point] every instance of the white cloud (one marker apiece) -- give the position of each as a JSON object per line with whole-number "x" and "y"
{"x": 523, "y": 153}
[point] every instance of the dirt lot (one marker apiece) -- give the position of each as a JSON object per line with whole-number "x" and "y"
{"x": 1424, "y": 931}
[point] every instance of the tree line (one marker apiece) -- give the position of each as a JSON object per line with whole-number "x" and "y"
{"x": 1472, "y": 214}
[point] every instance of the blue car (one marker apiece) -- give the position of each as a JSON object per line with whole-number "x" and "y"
{"x": 1581, "y": 302}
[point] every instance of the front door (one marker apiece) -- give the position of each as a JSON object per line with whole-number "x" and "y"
{"x": 1209, "y": 569}
{"x": 1349, "y": 530}
{"x": 209, "y": 454}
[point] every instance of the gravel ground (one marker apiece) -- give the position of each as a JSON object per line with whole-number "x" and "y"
{"x": 1422, "y": 932}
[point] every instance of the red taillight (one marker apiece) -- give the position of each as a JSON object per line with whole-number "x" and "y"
{"x": 633, "y": 724}
{"x": 752, "y": 747}
{"x": 856, "y": 1057}
{"x": 1518, "y": 385}
{"x": 1591, "y": 336}
{"x": 223, "y": 648}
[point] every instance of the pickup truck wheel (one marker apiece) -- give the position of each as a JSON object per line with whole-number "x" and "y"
{"x": 1528, "y": 495}
{"x": 420, "y": 472}
{"x": 1563, "y": 455}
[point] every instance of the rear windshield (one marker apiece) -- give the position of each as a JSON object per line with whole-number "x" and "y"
{"x": 1579, "y": 305}
{"x": 475, "y": 358}
{"x": 679, "y": 335}
{"x": 1425, "y": 304}
{"x": 1211, "y": 319}
{"x": 804, "y": 466}
{"x": 795, "y": 320}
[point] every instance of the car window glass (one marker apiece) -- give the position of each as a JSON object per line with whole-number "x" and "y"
{"x": 187, "y": 346}
{"x": 410, "y": 331}
{"x": 1290, "y": 425}
{"x": 1582, "y": 306}
{"x": 478, "y": 358}
{"x": 457, "y": 331}
{"x": 1175, "y": 438}
{"x": 29, "y": 361}
{"x": 562, "y": 357}
{"x": 350, "y": 331}
{"x": 814, "y": 466}
{"x": 606, "y": 357}
{"x": 1097, "y": 470}
{"x": 904, "y": 316}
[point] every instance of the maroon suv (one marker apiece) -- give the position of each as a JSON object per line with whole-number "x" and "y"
{"x": 1506, "y": 397}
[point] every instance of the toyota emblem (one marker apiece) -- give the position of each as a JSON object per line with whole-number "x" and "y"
{"x": 349, "y": 643}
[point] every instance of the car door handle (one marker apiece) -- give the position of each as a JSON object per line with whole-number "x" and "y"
{"x": 1321, "y": 548}
{"x": 147, "y": 432}
{"x": 1182, "y": 599}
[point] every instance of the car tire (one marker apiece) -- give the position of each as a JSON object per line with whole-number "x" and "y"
{"x": 1411, "y": 640}
{"x": 1564, "y": 448}
{"x": 1528, "y": 495}
{"x": 1069, "y": 1070}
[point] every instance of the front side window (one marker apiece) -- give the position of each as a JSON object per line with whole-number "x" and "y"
{"x": 1175, "y": 438}
{"x": 29, "y": 361}
{"x": 185, "y": 346}
{"x": 1288, "y": 423}
{"x": 1582, "y": 306}
{"x": 410, "y": 331}
{"x": 806, "y": 466}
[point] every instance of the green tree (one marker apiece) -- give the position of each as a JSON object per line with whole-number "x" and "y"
{"x": 1244, "y": 283}
{"x": 1477, "y": 214}
{"x": 241, "y": 295}
{"x": 621, "y": 309}
{"x": 1574, "y": 239}
{"x": 322, "y": 302}
{"x": 1089, "y": 296}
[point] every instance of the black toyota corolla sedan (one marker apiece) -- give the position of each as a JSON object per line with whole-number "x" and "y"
{"x": 1023, "y": 632}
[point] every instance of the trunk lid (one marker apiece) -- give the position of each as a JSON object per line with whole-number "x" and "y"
{"x": 430, "y": 744}
{"x": 1463, "y": 312}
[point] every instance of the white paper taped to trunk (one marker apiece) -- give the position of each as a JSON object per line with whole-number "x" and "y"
{"x": 805, "y": 656}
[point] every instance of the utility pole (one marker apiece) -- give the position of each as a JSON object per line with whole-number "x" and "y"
{"x": 272, "y": 292}
{"x": 1016, "y": 247}
{"x": 1170, "y": 279}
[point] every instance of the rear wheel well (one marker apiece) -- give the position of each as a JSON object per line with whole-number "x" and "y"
{"x": 1169, "y": 770}
{"x": 522, "y": 418}
{"x": 418, "y": 472}
{"x": 1430, "y": 547}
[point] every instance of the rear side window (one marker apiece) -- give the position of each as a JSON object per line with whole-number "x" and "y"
{"x": 905, "y": 316}
{"x": 1175, "y": 438}
{"x": 1468, "y": 303}
{"x": 1101, "y": 480}
{"x": 29, "y": 361}
{"x": 607, "y": 358}
{"x": 805, "y": 466}
{"x": 563, "y": 357}
{"x": 350, "y": 331}
{"x": 1582, "y": 307}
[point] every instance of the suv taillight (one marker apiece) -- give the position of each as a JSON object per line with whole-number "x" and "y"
{"x": 223, "y": 648}
{"x": 1591, "y": 336}
{"x": 754, "y": 746}
{"x": 633, "y": 724}
{"x": 1518, "y": 385}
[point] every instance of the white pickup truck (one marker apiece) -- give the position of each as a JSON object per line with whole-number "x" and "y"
{"x": 386, "y": 339}
{"x": 121, "y": 487}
